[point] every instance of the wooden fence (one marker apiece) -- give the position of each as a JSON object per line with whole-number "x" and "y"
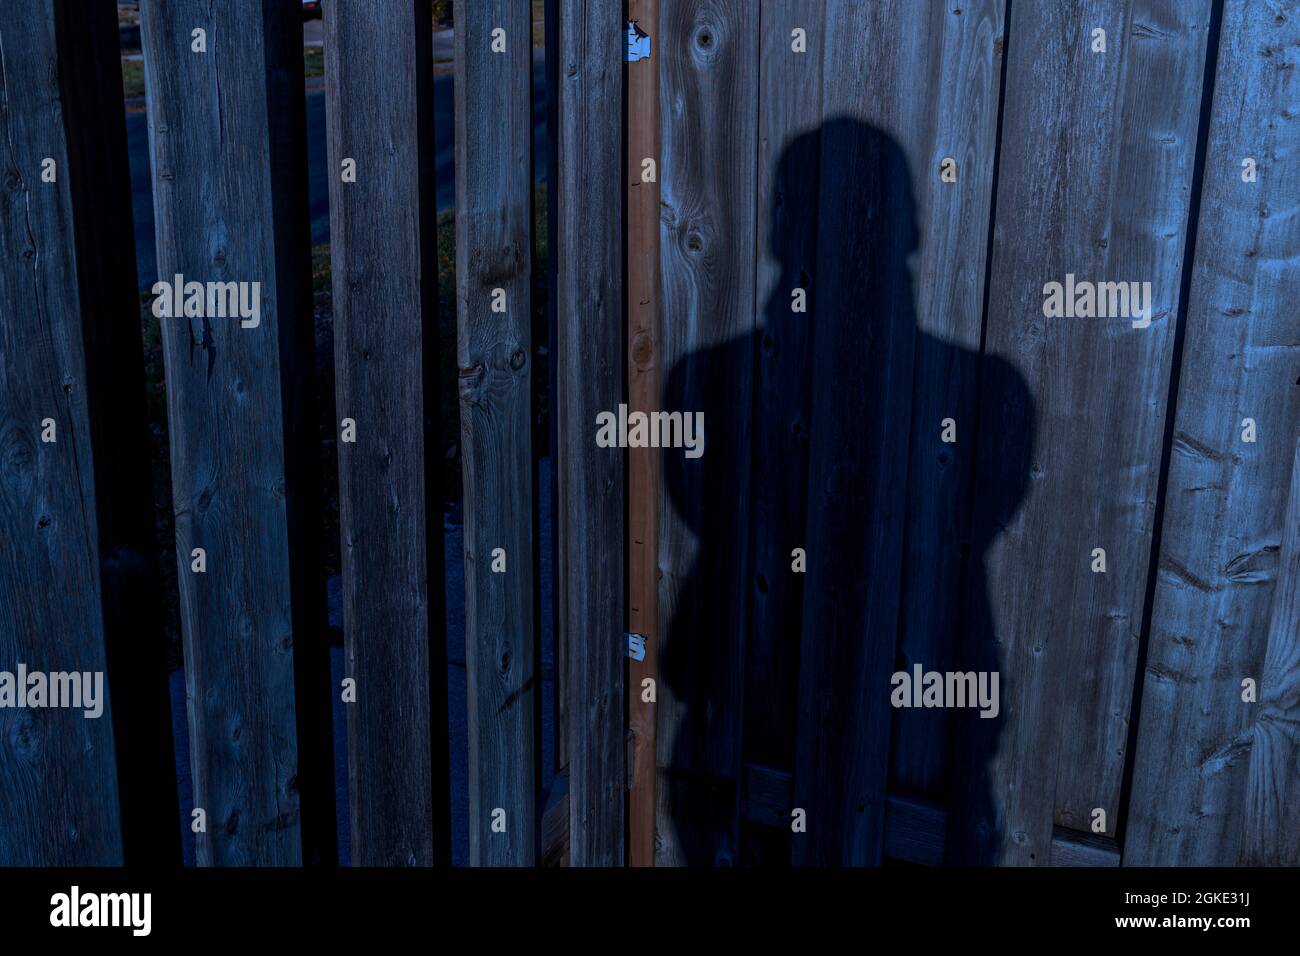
{"x": 993, "y": 147}
{"x": 827, "y": 227}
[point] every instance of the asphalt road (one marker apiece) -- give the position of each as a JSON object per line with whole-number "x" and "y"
{"x": 137, "y": 136}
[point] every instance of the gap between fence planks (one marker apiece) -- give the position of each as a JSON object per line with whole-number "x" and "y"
{"x": 383, "y": 258}
{"x": 227, "y": 135}
{"x": 494, "y": 185}
{"x": 643, "y": 483}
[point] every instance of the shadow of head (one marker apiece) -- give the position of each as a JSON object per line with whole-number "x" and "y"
{"x": 852, "y": 178}
{"x": 841, "y": 224}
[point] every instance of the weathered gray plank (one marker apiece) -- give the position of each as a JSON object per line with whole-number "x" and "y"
{"x": 494, "y": 251}
{"x": 1073, "y": 848}
{"x": 709, "y": 96}
{"x": 58, "y": 780}
{"x": 1223, "y": 524}
{"x": 227, "y": 133}
{"x": 1095, "y": 173}
{"x": 589, "y": 378}
{"x": 383, "y": 251}
{"x": 559, "y": 650}
{"x": 951, "y": 112}
{"x": 1272, "y": 816}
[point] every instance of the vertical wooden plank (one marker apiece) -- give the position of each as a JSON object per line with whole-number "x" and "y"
{"x": 1272, "y": 817}
{"x": 494, "y": 143}
{"x": 709, "y": 89}
{"x": 227, "y": 129}
{"x": 589, "y": 375}
{"x": 383, "y": 250}
{"x": 643, "y": 481}
{"x": 1085, "y": 136}
{"x": 789, "y": 137}
{"x": 1223, "y": 524}
{"x": 559, "y": 647}
{"x": 864, "y": 321}
{"x": 58, "y": 782}
{"x": 99, "y": 176}
{"x": 951, "y": 113}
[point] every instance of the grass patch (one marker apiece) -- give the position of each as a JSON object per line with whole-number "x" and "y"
{"x": 313, "y": 61}
{"x": 133, "y": 79}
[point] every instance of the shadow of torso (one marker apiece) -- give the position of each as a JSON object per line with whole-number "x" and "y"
{"x": 802, "y": 450}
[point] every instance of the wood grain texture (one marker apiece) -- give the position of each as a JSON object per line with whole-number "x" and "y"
{"x": 554, "y": 837}
{"x": 227, "y": 134}
{"x": 788, "y": 162}
{"x": 708, "y": 75}
{"x": 1203, "y": 755}
{"x": 950, "y": 111}
{"x": 58, "y": 780}
{"x": 560, "y": 687}
{"x": 383, "y": 251}
{"x": 1085, "y": 137}
{"x": 591, "y": 364}
{"x": 494, "y": 185}
{"x": 644, "y": 484}
{"x": 1272, "y": 817}
{"x": 864, "y": 317}
{"x": 1072, "y": 848}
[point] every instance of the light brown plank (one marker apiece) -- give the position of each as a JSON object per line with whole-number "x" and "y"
{"x": 644, "y": 487}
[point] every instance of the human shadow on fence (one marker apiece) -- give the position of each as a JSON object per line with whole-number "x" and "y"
{"x": 808, "y": 438}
